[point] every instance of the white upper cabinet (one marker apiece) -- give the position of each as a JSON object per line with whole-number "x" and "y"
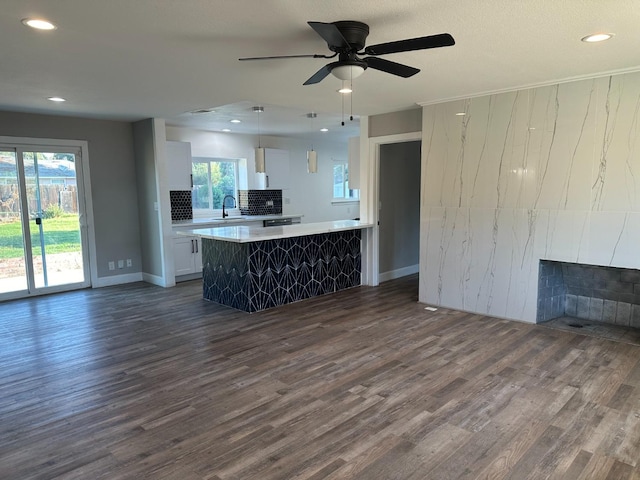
{"x": 179, "y": 165}
{"x": 354, "y": 162}
{"x": 277, "y": 170}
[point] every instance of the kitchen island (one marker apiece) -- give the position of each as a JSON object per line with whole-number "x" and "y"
{"x": 255, "y": 268}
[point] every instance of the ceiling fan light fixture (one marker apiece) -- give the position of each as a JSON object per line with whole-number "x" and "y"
{"x": 347, "y": 72}
{"x": 345, "y": 90}
{"x": 597, "y": 37}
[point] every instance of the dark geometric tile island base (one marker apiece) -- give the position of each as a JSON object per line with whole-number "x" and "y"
{"x": 259, "y": 275}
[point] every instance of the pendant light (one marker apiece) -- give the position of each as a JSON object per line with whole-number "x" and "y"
{"x": 312, "y": 155}
{"x": 259, "y": 151}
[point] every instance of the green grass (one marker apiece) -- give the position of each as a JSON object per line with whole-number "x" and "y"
{"x": 61, "y": 235}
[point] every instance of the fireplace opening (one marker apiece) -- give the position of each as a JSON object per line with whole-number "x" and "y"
{"x": 588, "y": 292}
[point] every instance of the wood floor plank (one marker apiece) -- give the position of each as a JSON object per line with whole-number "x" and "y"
{"x": 137, "y": 381}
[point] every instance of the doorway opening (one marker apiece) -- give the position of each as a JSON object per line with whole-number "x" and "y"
{"x": 399, "y": 210}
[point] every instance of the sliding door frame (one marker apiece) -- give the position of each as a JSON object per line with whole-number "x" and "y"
{"x": 83, "y": 180}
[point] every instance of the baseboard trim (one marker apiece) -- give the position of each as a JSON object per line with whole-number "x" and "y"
{"x": 188, "y": 277}
{"x": 156, "y": 280}
{"x": 117, "y": 280}
{"x": 400, "y": 272}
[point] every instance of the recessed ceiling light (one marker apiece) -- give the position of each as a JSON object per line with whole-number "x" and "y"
{"x": 56, "y": 99}
{"x": 344, "y": 90}
{"x": 597, "y": 37}
{"x": 226, "y": 129}
{"x": 460, "y": 114}
{"x": 324, "y": 129}
{"x": 235, "y": 120}
{"x": 38, "y": 23}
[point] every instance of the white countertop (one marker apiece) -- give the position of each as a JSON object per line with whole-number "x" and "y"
{"x": 196, "y": 222}
{"x": 244, "y": 234}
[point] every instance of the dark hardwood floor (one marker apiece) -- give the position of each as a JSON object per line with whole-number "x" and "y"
{"x": 137, "y": 381}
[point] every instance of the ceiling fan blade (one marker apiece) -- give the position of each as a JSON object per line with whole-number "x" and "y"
{"x": 404, "y": 71}
{"x": 330, "y": 33}
{"x": 285, "y": 56}
{"x": 318, "y": 76}
{"x": 420, "y": 43}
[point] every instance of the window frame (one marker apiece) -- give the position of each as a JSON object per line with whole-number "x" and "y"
{"x": 345, "y": 185}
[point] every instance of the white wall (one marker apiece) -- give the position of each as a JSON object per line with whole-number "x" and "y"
{"x": 309, "y": 194}
{"x": 547, "y": 173}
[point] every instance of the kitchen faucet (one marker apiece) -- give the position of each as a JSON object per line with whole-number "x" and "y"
{"x": 224, "y": 213}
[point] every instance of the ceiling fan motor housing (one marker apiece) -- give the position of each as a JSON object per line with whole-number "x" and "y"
{"x": 355, "y": 33}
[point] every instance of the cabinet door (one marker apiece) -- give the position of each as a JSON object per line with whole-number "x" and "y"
{"x": 277, "y": 170}
{"x": 354, "y": 162}
{"x": 179, "y": 165}
{"x": 183, "y": 255}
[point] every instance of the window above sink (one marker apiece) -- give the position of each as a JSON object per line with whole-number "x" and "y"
{"x": 213, "y": 178}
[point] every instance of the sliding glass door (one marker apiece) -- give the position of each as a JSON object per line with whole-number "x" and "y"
{"x": 43, "y": 247}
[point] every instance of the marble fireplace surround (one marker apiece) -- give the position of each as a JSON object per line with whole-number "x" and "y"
{"x": 547, "y": 173}
{"x": 589, "y": 292}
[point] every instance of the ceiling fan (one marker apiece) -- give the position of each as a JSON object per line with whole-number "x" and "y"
{"x": 347, "y": 40}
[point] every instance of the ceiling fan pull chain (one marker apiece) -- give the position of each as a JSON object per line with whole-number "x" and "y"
{"x": 351, "y": 99}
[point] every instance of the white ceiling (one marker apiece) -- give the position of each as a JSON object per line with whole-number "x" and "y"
{"x": 134, "y": 59}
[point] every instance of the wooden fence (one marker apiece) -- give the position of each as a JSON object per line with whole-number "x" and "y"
{"x": 62, "y": 196}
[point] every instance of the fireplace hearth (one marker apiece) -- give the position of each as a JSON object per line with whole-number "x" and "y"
{"x": 589, "y": 292}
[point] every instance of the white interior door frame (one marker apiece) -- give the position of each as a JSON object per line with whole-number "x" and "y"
{"x": 371, "y": 199}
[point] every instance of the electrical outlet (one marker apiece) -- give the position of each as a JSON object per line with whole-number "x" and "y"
{"x": 112, "y": 266}
{"x": 120, "y": 263}
{"x": 129, "y": 263}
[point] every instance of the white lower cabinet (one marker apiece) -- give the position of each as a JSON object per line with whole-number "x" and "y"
{"x": 187, "y": 255}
